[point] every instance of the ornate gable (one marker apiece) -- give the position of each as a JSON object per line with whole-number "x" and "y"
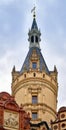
{"x": 4, "y": 96}
{"x": 11, "y": 115}
{"x": 12, "y": 105}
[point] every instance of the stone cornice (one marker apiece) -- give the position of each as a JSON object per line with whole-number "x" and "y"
{"x": 40, "y": 106}
{"x": 33, "y": 81}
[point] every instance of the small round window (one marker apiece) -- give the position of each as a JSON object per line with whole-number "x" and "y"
{"x": 63, "y": 125}
{"x": 55, "y": 127}
{"x": 63, "y": 115}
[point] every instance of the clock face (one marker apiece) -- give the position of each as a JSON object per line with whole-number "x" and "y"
{"x": 11, "y": 120}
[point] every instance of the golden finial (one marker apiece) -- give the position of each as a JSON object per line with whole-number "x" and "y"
{"x": 33, "y": 10}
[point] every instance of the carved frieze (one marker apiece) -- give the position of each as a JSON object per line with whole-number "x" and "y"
{"x": 34, "y": 89}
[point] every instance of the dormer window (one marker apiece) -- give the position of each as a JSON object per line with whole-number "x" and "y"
{"x": 36, "y": 39}
{"x": 32, "y": 39}
{"x": 34, "y": 65}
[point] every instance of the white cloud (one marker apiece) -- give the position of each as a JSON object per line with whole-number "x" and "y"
{"x": 5, "y": 72}
{"x": 6, "y": 2}
{"x": 6, "y": 27}
{"x": 51, "y": 1}
{"x": 11, "y": 57}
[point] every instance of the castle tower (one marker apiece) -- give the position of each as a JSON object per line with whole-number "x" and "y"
{"x": 34, "y": 86}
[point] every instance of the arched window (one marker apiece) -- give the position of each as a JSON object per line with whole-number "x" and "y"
{"x": 32, "y": 39}
{"x": 24, "y": 75}
{"x": 34, "y": 115}
{"x": 34, "y": 99}
{"x": 36, "y": 39}
{"x": 34, "y": 74}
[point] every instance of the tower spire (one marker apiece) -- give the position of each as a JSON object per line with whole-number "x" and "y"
{"x": 34, "y": 12}
{"x": 34, "y": 33}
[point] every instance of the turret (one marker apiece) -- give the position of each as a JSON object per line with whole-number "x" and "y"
{"x": 34, "y": 85}
{"x": 34, "y": 34}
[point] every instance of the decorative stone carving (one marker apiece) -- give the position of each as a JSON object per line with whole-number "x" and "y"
{"x": 34, "y": 90}
{"x": 11, "y": 120}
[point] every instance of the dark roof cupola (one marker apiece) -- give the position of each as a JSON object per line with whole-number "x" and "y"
{"x": 34, "y": 34}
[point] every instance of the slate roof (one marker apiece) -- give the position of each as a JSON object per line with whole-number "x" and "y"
{"x": 34, "y": 24}
{"x": 42, "y": 63}
{"x": 41, "y": 60}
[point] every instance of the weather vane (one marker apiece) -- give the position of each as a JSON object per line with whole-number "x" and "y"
{"x": 33, "y": 11}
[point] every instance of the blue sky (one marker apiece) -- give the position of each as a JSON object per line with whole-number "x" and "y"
{"x": 15, "y": 21}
